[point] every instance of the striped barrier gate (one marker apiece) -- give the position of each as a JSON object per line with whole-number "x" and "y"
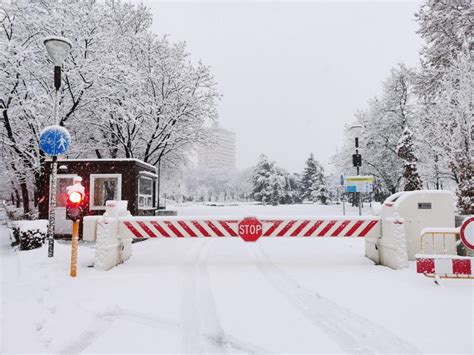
{"x": 249, "y": 228}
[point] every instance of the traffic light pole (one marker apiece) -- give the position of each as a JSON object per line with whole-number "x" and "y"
{"x": 359, "y": 199}
{"x": 74, "y": 242}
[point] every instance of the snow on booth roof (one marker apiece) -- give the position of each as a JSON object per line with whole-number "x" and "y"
{"x": 107, "y": 159}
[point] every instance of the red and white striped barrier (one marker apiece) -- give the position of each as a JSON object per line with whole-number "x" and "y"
{"x": 445, "y": 265}
{"x": 249, "y": 229}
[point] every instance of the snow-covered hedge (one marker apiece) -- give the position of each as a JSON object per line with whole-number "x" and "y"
{"x": 16, "y": 214}
{"x": 29, "y": 235}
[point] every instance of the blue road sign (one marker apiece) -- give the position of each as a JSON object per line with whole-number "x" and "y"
{"x": 351, "y": 188}
{"x": 55, "y": 140}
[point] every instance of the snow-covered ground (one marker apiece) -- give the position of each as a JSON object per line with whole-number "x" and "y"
{"x": 224, "y": 295}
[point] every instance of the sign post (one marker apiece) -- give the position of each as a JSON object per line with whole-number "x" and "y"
{"x": 342, "y": 182}
{"x": 359, "y": 184}
{"x": 54, "y": 140}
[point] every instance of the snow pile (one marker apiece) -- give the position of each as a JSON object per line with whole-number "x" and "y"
{"x": 111, "y": 249}
{"x": 400, "y": 241}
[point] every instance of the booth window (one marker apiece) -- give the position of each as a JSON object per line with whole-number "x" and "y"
{"x": 62, "y": 182}
{"x": 145, "y": 192}
{"x": 104, "y": 187}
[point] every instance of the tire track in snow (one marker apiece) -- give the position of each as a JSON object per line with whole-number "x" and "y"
{"x": 353, "y": 333}
{"x": 101, "y": 324}
{"x": 189, "y": 315}
{"x": 199, "y": 310}
{"x": 104, "y": 321}
{"x": 209, "y": 319}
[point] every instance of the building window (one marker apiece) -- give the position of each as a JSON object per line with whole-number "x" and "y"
{"x": 145, "y": 192}
{"x": 103, "y": 188}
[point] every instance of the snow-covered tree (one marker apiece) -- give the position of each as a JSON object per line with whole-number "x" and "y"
{"x": 292, "y": 188}
{"x": 445, "y": 87}
{"x": 320, "y": 193}
{"x": 277, "y": 188}
{"x": 446, "y": 28}
{"x": 272, "y": 184}
{"x": 384, "y": 121}
{"x": 262, "y": 179}
{"x": 312, "y": 180}
{"x": 125, "y": 92}
{"x": 406, "y": 151}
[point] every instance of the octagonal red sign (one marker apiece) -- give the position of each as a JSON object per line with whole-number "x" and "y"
{"x": 250, "y": 229}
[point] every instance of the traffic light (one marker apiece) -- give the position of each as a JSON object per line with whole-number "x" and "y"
{"x": 356, "y": 160}
{"x": 75, "y": 206}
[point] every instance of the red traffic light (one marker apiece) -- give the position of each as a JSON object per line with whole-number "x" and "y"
{"x": 75, "y": 206}
{"x": 75, "y": 197}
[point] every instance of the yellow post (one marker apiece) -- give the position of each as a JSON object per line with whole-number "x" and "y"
{"x": 74, "y": 241}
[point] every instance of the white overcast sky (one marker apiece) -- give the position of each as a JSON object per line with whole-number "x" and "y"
{"x": 292, "y": 73}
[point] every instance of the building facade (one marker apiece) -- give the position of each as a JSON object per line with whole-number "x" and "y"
{"x": 221, "y": 155}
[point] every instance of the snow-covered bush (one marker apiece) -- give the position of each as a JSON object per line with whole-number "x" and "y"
{"x": 16, "y": 214}
{"x": 28, "y": 235}
{"x": 27, "y": 240}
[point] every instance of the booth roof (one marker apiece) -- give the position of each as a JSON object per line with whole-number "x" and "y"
{"x": 108, "y": 159}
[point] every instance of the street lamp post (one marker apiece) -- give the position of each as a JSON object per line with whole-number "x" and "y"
{"x": 357, "y": 158}
{"x": 58, "y": 48}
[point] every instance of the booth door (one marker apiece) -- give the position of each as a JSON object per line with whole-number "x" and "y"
{"x": 62, "y": 225}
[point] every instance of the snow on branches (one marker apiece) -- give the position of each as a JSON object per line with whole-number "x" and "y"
{"x": 420, "y": 128}
{"x": 406, "y": 151}
{"x": 313, "y": 182}
{"x": 125, "y": 91}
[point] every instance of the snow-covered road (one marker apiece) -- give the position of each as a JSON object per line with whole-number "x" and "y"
{"x": 224, "y": 295}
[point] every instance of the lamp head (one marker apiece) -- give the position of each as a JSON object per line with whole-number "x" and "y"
{"x": 75, "y": 197}
{"x": 58, "y": 49}
{"x": 356, "y": 129}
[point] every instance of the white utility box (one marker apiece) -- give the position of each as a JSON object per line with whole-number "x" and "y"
{"x": 414, "y": 210}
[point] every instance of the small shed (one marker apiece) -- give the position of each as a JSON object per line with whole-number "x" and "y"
{"x": 104, "y": 179}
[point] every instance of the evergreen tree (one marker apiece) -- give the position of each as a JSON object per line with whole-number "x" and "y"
{"x": 406, "y": 151}
{"x": 320, "y": 193}
{"x": 292, "y": 188}
{"x": 272, "y": 184}
{"x": 312, "y": 179}
{"x": 261, "y": 179}
{"x": 277, "y": 187}
{"x": 465, "y": 174}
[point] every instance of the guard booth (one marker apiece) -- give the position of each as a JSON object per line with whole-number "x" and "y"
{"x": 131, "y": 180}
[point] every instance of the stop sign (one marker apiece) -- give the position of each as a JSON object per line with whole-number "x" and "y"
{"x": 250, "y": 229}
{"x": 467, "y": 233}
